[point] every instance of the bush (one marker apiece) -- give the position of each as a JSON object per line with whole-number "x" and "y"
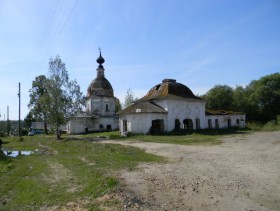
{"x": 271, "y": 126}
{"x": 2, "y": 133}
{"x": 258, "y": 126}
{"x": 24, "y": 132}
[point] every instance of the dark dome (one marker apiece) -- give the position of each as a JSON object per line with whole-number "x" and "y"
{"x": 100, "y": 60}
{"x": 100, "y": 87}
{"x": 169, "y": 87}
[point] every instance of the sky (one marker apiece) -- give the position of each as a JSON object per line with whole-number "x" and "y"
{"x": 200, "y": 43}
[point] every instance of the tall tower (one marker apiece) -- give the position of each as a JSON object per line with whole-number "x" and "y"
{"x": 100, "y": 94}
{"x": 100, "y": 106}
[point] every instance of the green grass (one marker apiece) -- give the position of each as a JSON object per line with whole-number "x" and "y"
{"x": 181, "y": 137}
{"x": 62, "y": 171}
{"x": 258, "y": 126}
{"x": 192, "y": 139}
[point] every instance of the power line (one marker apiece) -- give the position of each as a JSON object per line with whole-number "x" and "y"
{"x": 59, "y": 19}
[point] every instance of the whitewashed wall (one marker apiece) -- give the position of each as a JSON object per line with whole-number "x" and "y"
{"x": 140, "y": 122}
{"x": 180, "y": 109}
{"x": 223, "y": 120}
{"x": 98, "y": 105}
{"x": 79, "y": 125}
{"x": 183, "y": 109}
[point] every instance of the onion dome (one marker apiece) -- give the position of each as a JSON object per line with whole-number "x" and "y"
{"x": 100, "y": 86}
{"x": 100, "y": 60}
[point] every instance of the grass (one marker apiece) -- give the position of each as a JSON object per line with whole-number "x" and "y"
{"x": 258, "y": 126}
{"x": 62, "y": 171}
{"x": 78, "y": 169}
{"x": 193, "y": 139}
{"x": 185, "y": 137}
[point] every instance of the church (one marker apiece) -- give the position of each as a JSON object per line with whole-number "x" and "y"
{"x": 171, "y": 105}
{"x": 166, "y": 107}
{"x": 100, "y": 112}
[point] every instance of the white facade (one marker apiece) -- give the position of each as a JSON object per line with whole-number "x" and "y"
{"x": 185, "y": 110}
{"x": 100, "y": 107}
{"x": 83, "y": 125}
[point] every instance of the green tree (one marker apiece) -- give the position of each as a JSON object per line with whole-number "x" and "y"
{"x": 37, "y": 99}
{"x": 118, "y": 105}
{"x": 219, "y": 97}
{"x": 240, "y": 99}
{"x": 28, "y": 119}
{"x": 264, "y": 97}
{"x": 63, "y": 97}
{"x": 129, "y": 98}
{"x": 36, "y": 102}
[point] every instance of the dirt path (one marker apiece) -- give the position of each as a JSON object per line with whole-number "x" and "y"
{"x": 243, "y": 173}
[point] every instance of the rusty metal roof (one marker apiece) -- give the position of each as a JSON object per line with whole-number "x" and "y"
{"x": 221, "y": 112}
{"x": 100, "y": 86}
{"x": 142, "y": 107}
{"x": 169, "y": 87}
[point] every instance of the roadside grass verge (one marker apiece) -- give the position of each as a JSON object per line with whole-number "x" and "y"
{"x": 258, "y": 126}
{"x": 183, "y": 137}
{"x": 59, "y": 172}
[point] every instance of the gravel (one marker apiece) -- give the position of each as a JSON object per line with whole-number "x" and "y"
{"x": 243, "y": 173}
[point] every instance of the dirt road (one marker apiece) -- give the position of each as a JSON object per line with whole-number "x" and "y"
{"x": 243, "y": 173}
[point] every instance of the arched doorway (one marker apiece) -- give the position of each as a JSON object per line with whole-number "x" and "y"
{"x": 209, "y": 123}
{"x": 157, "y": 126}
{"x": 229, "y": 123}
{"x": 188, "y": 124}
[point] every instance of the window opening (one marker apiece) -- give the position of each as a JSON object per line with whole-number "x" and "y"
{"x": 209, "y": 123}
{"x": 229, "y": 123}
{"x": 124, "y": 125}
{"x": 237, "y": 121}
{"x": 177, "y": 124}
{"x": 157, "y": 126}
{"x": 197, "y": 124}
{"x": 216, "y": 123}
{"x": 188, "y": 124}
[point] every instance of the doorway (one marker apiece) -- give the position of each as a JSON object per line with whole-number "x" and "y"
{"x": 157, "y": 126}
{"x": 188, "y": 124}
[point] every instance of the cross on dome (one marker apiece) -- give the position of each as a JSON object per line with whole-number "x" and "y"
{"x": 100, "y": 60}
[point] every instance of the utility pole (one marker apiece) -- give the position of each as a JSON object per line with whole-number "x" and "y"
{"x": 19, "y": 129}
{"x": 8, "y": 123}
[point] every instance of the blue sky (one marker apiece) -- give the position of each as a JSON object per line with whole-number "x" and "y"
{"x": 200, "y": 43}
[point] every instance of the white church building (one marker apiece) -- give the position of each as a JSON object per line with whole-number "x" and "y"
{"x": 100, "y": 106}
{"x": 171, "y": 105}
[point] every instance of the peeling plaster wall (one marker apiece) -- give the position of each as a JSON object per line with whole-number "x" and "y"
{"x": 79, "y": 125}
{"x": 183, "y": 109}
{"x": 140, "y": 122}
{"x": 97, "y": 105}
{"x": 180, "y": 109}
{"x": 223, "y": 120}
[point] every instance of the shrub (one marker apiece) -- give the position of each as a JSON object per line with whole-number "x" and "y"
{"x": 271, "y": 126}
{"x": 24, "y": 132}
{"x": 2, "y": 133}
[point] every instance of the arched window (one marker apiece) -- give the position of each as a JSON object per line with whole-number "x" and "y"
{"x": 197, "y": 124}
{"x": 209, "y": 123}
{"x": 188, "y": 124}
{"x": 229, "y": 123}
{"x": 177, "y": 124}
{"x": 124, "y": 125}
{"x": 237, "y": 121}
{"x": 216, "y": 123}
